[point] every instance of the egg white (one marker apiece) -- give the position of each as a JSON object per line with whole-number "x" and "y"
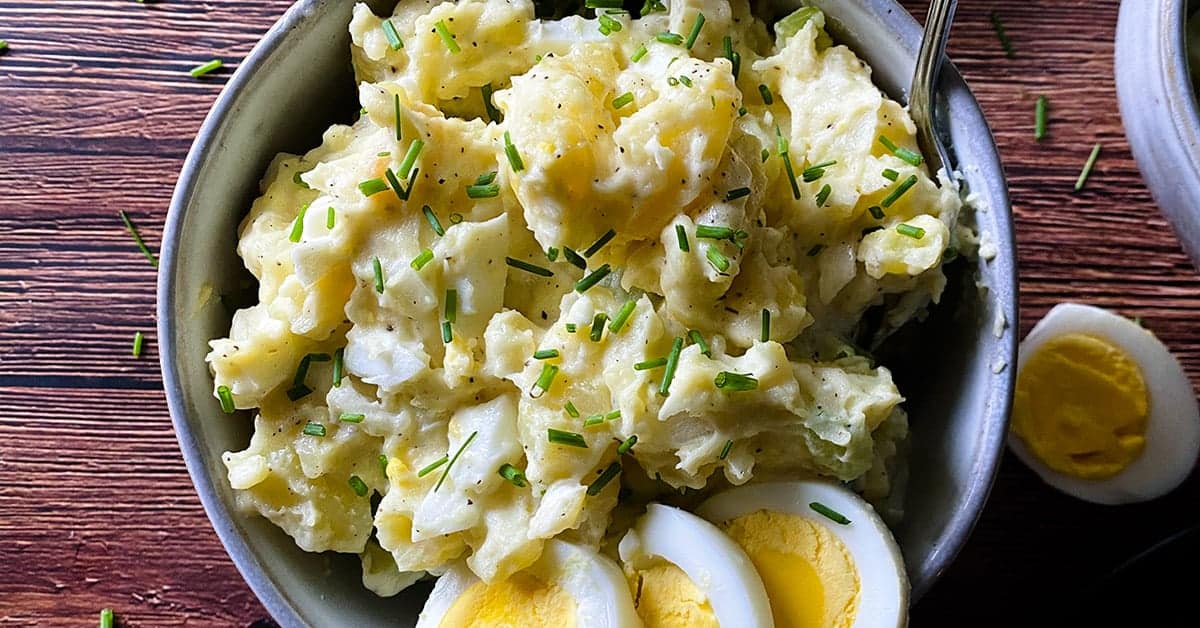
{"x": 1173, "y": 428}
{"x": 883, "y": 581}
{"x": 594, "y": 581}
{"x": 711, "y": 560}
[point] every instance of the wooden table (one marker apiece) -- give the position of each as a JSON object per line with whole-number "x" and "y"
{"x": 97, "y": 111}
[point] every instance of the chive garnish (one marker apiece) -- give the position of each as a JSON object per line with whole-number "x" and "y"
{"x": 622, "y": 100}
{"x": 514, "y": 158}
{"x": 1087, "y": 168}
{"x": 433, "y": 220}
{"x": 490, "y": 190}
{"x": 1005, "y": 42}
{"x": 383, "y": 463}
{"x": 608, "y": 25}
{"x": 513, "y": 475}
{"x": 622, "y": 316}
{"x": 351, "y": 417}
{"x": 876, "y": 212}
{"x": 544, "y": 381}
{"x": 447, "y": 37}
{"x": 431, "y": 467}
{"x": 529, "y": 268}
{"x": 226, "y": 397}
{"x": 1039, "y": 118}
{"x": 298, "y": 225}
{"x": 393, "y": 37}
{"x": 592, "y": 279}
{"x": 672, "y": 81}
{"x": 717, "y": 259}
{"x": 570, "y": 439}
{"x": 358, "y": 486}
{"x": 816, "y": 250}
{"x": 653, "y": 6}
{"x": 138, "y": 339}
{"x": 782, "y": 145}
{"x": 713, "y": 232}
{"x": 371, "y": 187}
{"x": 493, "y": 114}
{"x": 571, "y": 409}
{"x": 664, "y": 388}
{"x": 725, "y": 450}
{"x": 823, "y": 195}
{"x": 205, "y": 68}
{"x": 627, "y": 444}
{"x": 574, "y": 258}
{"x": 829, "y": 513}
{"x": 599, "y": 244}
{"x": 698, "y": 339}
{"x": 329, "y": 216}
{"x": 451, "y": 305}
{"x": 458, "y": 453}
{"x": 765, "y": 92}
{"x": 106, "y": 614}
{"x": 649, "y": 364}
{"x": 735, "y": 381}
{"x": 137, "y": 238}
{"x": 298, "y": 180}
{"x": 598, "y": 326}
{"x": 890, "y": 175}
{"x": 681, "y": 235}
{"x": 606, "y": 476}
{"x": 736, "y": 193}
{"x": 904, "y": 154}
{"x": 552, "y": 253}
{"x": 766, "y": 325}
{"x": 899, "y": 191}
{"x": 602, "y": 4}
{"x": 545, "y": 354}
{"x": 339, "y": 357}
{"x": 378, "y": 268}
{"x": 638, "y": 54}
{"x": 570, "y": 328}
{"x": 486, "y": 178}
{"x": 915, "y": 233}
{"x": 595, "y": 419}
{"x": 447, "y": 332}
{"x": 396, "y": 113}
{"x": 422, "y": 258}
{"x": 699, "y": 24}
{"x": 735, "y": 60}
{"x": 667, "y": 37}
{"x": 410, "y": 157}
{"x": 816, "y": 171}
{"x": 766, "y": 154}
{"x": 314, "y": 429}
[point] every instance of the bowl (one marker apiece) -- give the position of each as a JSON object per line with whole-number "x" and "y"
{"x": 1158, "y": 107}
{"x": 298, "y": 81}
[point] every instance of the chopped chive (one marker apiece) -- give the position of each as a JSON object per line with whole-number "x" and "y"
{"x": 699, "y": 24}
{"x": 433, "y": 220}
{"x": 106, "y": 614}
{"x": 1005, "y": 42}
{"x": 396, "y": 114}
{"x": 664, "y": 388}
{"x": 358, "y": 486}
{"x": 638, "y": 54}
{"x": 371, "y": 187}
{"x": 653, "y": 6}
{"x": 296, "y": 178}
{"x": 1039, "y": 118}
{"x": 602, "y": 4}
{"x": 765, "y": 92}
{"x": 605, "y": 477}
{"x": 571, "y": 409}
{"x": 823, "y": 195}
{"x": 350, "y": 417}
{"x": 397, "y": 187}
{"x": 205, "y": 68}
{"x": 766, "y": 154}
{"x": 608, "y": 25}
{"x": 876, "y": 212}
{"x": 829, "y": 513}
{"x": 570, "y": 439}
{"x": 138, "y": 339}
{"x": 383, "y": 463}
{"x": 890, "y": 175}
{"x": 598, "y": 326}
{"x": 622, "y": 100}
{"x": 544, "y": 381}
{"x": 766, "y": 325}
{"x": 698, "y": 339}
{"x": 574, "y": 258}
{"x": 451, "y": 305}
{"x": 595, "y": 419}
{"x": 713, "y": 232}
{"x": 486, "y": 178}
{"x": 782, "y": 144}
{"x": 339, "y": 358}
{"x": 915, "y": 233}
{"x": 1087, "y": 168}
{"x": 384, "y": 153}
{"x": 329, "y": 217}
{"x": 298, "y": 225}
{"x": 816, "y": 250}
{"x": 736, "y": 193}
{"x": 570, "y": 328}
{"x": 529, "y": 268}
{"x": 672, "y": 81}
{"x": 725, "y": 450}
{"x": 667, "y": 37}
{"x": 422, "y": 258}
{"x": 410, "y": 157}
{"x": 493, "y": 114}
{"x": 458, "y": 453}
{"x": 622, "y": 316}
{"x": 137, "y": 238}
{"x": 447, "y": 37}
{"x": 513, "y": 475}
{"x": 649, "y": 364}
{"x": 592, "y": 279}
{"x": 545, "y": 354}
{"x": 314, "y": 429}
{"x": 686, "y": 80}
{"x": 226, "y": 397}
{"x": 431, "y": 467}
{"x": 490, "y": 190}
{"x": 627, "y": 444}
{"x": 899, "y": 191}
{"x": 514, "y": 158}
{"x": 815, "y": 171}
{"x": 599, "y": 244}
{"x": 717, "y": 259}
{"x": 393, "y": 37}
{"x": 735, "y": 381}
{"x": 904, "y": 154}
{"x": 681, "y": 235}
{"x": 378, "y": 268}
{"x": 447, "y": 332}
{"x": 552, "y": 253}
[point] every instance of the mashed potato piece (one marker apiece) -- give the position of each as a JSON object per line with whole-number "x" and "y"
{"x": 626, "y": 208}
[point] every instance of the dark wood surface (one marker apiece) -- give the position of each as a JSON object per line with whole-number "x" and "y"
{"x": 97, "y": 111}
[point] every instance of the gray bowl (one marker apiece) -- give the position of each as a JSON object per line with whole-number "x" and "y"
{"x": 298, "y": 81}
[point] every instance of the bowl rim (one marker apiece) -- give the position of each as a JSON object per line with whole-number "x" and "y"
{"x": 278, "y": 602}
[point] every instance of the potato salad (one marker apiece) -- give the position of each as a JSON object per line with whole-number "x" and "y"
{"x": 562, "y": 266}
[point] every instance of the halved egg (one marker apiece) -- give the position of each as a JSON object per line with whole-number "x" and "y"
{"x": 825, "y": 557}
{"x": 1102, "y": 410}
{"x": 569, "y": 585}
{"x": 685, "y": 573}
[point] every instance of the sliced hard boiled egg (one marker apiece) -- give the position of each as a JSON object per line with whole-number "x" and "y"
{"x": 569, "y": 585}
{"x": 824, "y": 555}
{"x": 685, "y": 572}
{"x": 1102, "y": 410}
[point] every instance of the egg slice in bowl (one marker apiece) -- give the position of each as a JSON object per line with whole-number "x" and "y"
{"x": 825, "y": 557}
{"x": 568, "y": 586}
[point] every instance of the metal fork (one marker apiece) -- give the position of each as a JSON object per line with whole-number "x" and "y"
{"x": 921, "y": 99}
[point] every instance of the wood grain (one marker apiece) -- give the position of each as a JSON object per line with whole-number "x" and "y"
{"x": 97, "y": 112}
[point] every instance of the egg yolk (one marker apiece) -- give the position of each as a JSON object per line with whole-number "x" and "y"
{"x": 1081, "y": 407}
{"x": 666, "y": 598}
{"x": 516, "y": 602}
{"x": 808, "y": 573}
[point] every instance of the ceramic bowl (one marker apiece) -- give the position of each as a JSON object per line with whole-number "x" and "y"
{"x": 298, "y": 81}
